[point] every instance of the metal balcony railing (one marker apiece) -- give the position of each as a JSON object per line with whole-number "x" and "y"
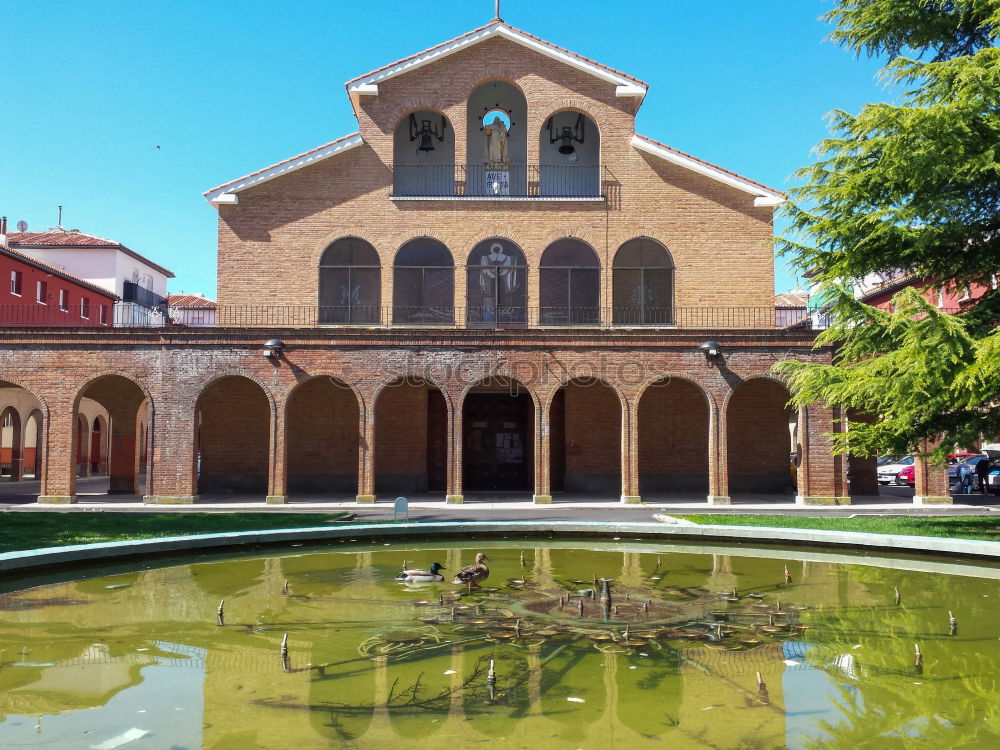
{"x": 132, "y": 292}
{"x": 475, "y": 181}
{"x": 132, "y": 315}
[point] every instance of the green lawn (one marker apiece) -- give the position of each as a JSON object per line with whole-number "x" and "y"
{"x": 952, "y": 527}
{"x": 34, "y": 530}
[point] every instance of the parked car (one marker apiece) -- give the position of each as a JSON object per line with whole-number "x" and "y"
{"x": 993, "y": 478}
{"x": 888, "y": 473}
{"x": 887, "y": 460}
{"x": 905, "y": 477}
{"x": 962, "y": 472}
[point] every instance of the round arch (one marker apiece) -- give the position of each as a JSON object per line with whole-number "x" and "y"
{"x": 585, "y": 423}
{"x": 423, "y": 283}
{"x": 570, "y": 284}
{"x": 350, "y": 280}
{"x": 569, "y": 155}
{"x": 758, "y": 437}
{"x": 642, "y": 282}
{"x": 423, "y": 147}
{"x": 674, "y": 422}
{"x": 121, "y": 395}
{"x": 497, "y": 139}
{"x": 412, "y": 416}
{"x": 233, "y": 418}
{"x": 498, "y": 435}
{"x": 496, "y": 284}
{"x": 322, "y": 437}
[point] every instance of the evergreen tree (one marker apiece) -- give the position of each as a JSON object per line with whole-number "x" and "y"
{"x": 911, "y": 186}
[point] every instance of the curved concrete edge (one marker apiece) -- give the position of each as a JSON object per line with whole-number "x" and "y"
{"x": 11, "y": 562}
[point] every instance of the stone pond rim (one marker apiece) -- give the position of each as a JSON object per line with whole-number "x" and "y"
{"x": 12, "y": 563}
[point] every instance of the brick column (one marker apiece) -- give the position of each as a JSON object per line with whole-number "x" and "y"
{"x": 59, "y": 455}
{"x": 366, "y": 451}
{"x": 171, "y": 470}
{"x": 85, "y": 442}
{"x": 123, "y": 458}
{"x": 931, "y": 483}
{"x": 543, "y": 452}
{"x": 862, "y": 474}
{"x": 718, "y": 454}
{"x": 822, "y": 477}
{"x": 277, "y": 492}
{"x": 16, "y": 447}
{"x": 630, "y": 452}
{"x": 454, "y": 484}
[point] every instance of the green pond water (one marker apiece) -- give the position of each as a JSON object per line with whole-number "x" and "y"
{"x": 699, "y": 646}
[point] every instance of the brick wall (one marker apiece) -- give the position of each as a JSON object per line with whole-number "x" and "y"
{"x": 759, "y": 439}
{"x": 673, "y": 439}
{"x": 234, "y": 437}
{"x": 238, "y": 446}
{"x": 401, "y": 439}
{"x": 270, "y": 243}
{"x": 322, "y": 444}
{"x": 592, "y": 434}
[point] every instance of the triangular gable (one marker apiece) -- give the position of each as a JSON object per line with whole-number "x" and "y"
{"x": 367, "y": 84}
{"x": 763, "y": 195}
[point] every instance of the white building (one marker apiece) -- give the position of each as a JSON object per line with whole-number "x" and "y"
{"x": 139, "y": 282}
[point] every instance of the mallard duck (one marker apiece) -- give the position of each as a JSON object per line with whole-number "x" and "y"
{"x": 476, "y": 573}
{"x": 422, "y": 575}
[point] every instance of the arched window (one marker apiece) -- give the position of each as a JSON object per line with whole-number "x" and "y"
{"x": 570, "y": 284}
{"x": 497, "y": 290}
{"x": 349, "y": 283}
{"x": 569, "y": 152}
{"x": 423, "y": 286}
{"x": 643, "y": 284}
{"x": 423, "y": 155}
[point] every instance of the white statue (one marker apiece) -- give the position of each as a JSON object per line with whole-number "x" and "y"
{"x": 493, "y": 263}
{"x": 495, "y": 146}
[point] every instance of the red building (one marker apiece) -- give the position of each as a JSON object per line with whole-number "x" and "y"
{"x": 34, "y": 293}
{"x": 946, "y": 296}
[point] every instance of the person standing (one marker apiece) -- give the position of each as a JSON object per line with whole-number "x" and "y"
{"x": 983, "y": 473}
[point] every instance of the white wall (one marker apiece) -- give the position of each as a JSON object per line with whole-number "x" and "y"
{"x": 96, "y": 265}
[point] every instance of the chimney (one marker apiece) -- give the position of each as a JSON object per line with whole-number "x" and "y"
{"x": 3, "y": 230}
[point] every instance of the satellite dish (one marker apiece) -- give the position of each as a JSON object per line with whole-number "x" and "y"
{"x": 22, "y": 226}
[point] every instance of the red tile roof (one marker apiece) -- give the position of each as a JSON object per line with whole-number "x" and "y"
{"x": 190, "y": 300}
{"x": 56, "y": 271}
{"x": 710, "y": 164}
{"x": 75, "y": 238}
{"x": 429, "y": 50}
{"x": 791, "y": 299}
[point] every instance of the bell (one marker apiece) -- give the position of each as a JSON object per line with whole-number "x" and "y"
{"x": 426, "y": 143}
{"x": 566, "y": 148}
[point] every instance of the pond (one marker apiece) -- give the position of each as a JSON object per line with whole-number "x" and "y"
{"x": 567, "y": 644}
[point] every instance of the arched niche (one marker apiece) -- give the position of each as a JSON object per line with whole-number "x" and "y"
{"x": 423, "y": 284}
{"x": 497, "y": 285}
{"x": 569, "y": 155}
{"x": 423, "y": 149}
{"x": 350, "y": 283}
{"x": 490, "y": 101}
{"x": 643, "y": 284}
{"x": 570, "y": 284}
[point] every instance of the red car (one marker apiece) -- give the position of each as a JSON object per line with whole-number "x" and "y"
{"x": 905, "y": 477}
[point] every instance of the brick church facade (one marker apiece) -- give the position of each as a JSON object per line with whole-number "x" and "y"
{"x": 495, "y": 288}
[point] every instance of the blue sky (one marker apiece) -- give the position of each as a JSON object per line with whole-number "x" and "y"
{"x": 89, "y": 90}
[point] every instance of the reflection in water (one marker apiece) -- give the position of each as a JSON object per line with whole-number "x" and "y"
{"x": 695, "y": 649}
